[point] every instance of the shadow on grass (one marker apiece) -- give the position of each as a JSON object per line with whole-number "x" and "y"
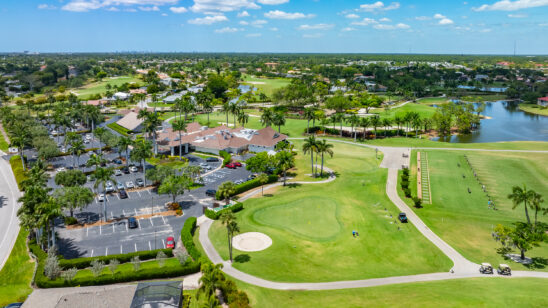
{"x": 268, "y": 195}
{"x": 242, "y": 258}
{"x": 293, "y": 185}
{"x": 538, "y": 263}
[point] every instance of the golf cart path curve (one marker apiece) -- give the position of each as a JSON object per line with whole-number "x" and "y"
{"x": 9, "y": 222}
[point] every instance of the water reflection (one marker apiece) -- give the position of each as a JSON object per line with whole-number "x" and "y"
{"x": 506, "y": 123}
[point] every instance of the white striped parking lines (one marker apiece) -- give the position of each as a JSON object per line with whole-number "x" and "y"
{"x": 139, "y": 193}
{"x": 164, "y": 243}
{"x": 148, "y": 191}
{"x": 100, "y": 230}
{"x": 106, "y": 251}
{"x": 151, "y": 221}
{"x": 149, "y": 246}
{"x": 163, "y": 219}
{"x": 92, "y": 253}
{"x": 135, "y": 247}
{"x": 121, "y": 251}
{"x": 124, "y": 212}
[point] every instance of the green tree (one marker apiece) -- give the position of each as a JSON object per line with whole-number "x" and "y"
{"x": 278, "y": 120}
{"x": 259, "y": 163}
{"x": 102, "y": 176}
{"x": 354, "y": 121}
{"x": 285, "y": 160}
{"x": 263, "y": 179}
{"x": 95, "y": 160}
{"x": 211, "y": 279}
{"x": 243, "y": 118}
{"x": 174, "y": 185}
{"x": 70, "y": 178}
{"x": 267, "y": 117}
{"x": 309, "y": 145}
{"x": 123, "y": 146}
{"x": 324, "y": 148}
{"x": 522, "y": 196}
{"x": 142, "y": 149}
{"x": 71, "y": 198}
{"x": 229, "y": 220}
{"x": 77, "y": 148}
{"x": 309, "y": 114}
{"x": 375, "y": 122}
{"x": 365, "y": 123}
{"x": 521, "y": 236}
{"x": 226, "y": 190}
{"x": 180, "y": 126}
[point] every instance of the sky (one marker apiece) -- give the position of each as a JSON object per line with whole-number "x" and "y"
{"x": 317, "y": 26}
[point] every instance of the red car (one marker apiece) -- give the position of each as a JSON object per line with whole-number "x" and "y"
{"x": 238, "y": 164}
{"x": 170, "y": 242}
{"x": 230, "y": 166}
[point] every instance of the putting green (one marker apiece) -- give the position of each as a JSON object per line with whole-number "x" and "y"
{"x": 320, "y": 215}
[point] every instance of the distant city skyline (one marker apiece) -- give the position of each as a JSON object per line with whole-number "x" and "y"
{"x": 272, "y": 26}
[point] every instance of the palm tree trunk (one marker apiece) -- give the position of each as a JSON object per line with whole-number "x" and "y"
{"x": 229, "y": 243}
{"x": 527, "y": 213}
{"x": 285, "y": 176}
{"x": 341, "y": 128}
{"x": 316, "y": 164}
{"x": 312, "y": 161}
{"x": 144, "y": 172}
{"x": 208, "y": 118}
{"x": 180, "y": 147}
{"x": 321, "y": 171}
{"x": 308, "y": 127}
{"x": 22, "y": 159}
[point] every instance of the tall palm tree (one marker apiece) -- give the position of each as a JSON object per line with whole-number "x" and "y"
{"x": 207, "y": 106}
{"x": 278, "y": 120}
{"x": 386, "y": 123}
{"x": 267, "y": 118}
{"x": 309, "y": 145}
{"x": 521, "y": 195}
{"x": 536, "y": 200}
{"x": 365, "y": 123}
{"x": 95, "y": 160}
{"x": 226, "y": 190}
{"x": 100, "y": 133}
{"x": 375, "y": 122}
{"x": 123, "y": 146}
{"x": 354, "y": 121}
{"x": 210, "y": 280}
{"x": 285, "y": 160}
{"x": 179, "y": 126}
{"x": 229, "y": 220}
{"x": 243, "y": 118}
{"x": 407, "y": 120}
{"x": 150, "y": 123}
{"x": 142, "y": 149}
{"x": 20, "y": 137}
{"x": 77, "y": 148}
{"x": 187, "y": 106}
{"x": 234, "y": 108}
{"x": 47, "y": 212}
{"x": 226, "y": 109}
{"x": 309, "y": 114}
{"x": 102, "y": 176}
{"x": 324, "y": 148}
{"x": 398, "y": 120}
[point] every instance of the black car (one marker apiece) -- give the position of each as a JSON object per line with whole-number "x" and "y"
{"x": 125, "y": 170}
{"x": 14, "y": 305}
{"x": 123, "y": 194}
{"x": 212, "y": 159}
{"x": 402, "y": 217}
{"x": 139, "y": 182}
{"x": 132, "y": 223}
{"x": 211, "y": 192}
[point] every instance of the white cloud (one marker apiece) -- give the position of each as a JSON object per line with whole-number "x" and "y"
{"x": 352, "y": 16}
{"x": 439, "y": 16}
{"x": 46, "y": 7}
{"x": 272, "y": 2}
{"x": 226, "y": 30}
{"x": 178, "y": 10}
{"x": 208, "y": 6}
{"x": 149, "y": 8}
{"x": 113, "y": 9}
{"x": 315, "y": 35}
{"x": 384, "y": 19}
{"x": 517, "y": 15}
{"x": 365, "y": 22}
{"x": 164, "y": 14}
{"x": 316, "y": 27}
{"x": 378, "y": 6}
{"x": 348, "y": 29}
{"x": 208, "y": 20}
{"x": 445, "y": 22}
{"x": 254, "y": 35}
{"x": 273, "y": 29}
{"x": 422, "y": 18}
{"x": 88, "y": 5}
{"x": 277, "y": 14}
{"x": 543, "y": 25}
{"x": 243, "y": 23}
{"x": 391, "y": 27}
{"x": 243, "y": 14}
{"x": 259, "y": 23}
{"x": 507, "y": 5}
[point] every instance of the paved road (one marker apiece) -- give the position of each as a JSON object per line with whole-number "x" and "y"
{"x": 9, "y": 223}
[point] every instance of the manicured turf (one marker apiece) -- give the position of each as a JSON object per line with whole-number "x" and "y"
{"x": 100, "y": 86}
{"x": 425, "y": 143}
{"x": 474, "y": 292}
{"x": 463, "y": 219}
{"x": 311, "y": 228}
{"x": 270, "y": 84}
{"x": 4, "y": 146}
{"x": 423, "y": 110}
{"x": 433, "y": 100}
{"x": 534, "y": 108}
{"x": 16, "y": 274}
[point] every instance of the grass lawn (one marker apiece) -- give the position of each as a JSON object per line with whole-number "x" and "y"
{"x": 128, "y": 267}
{"x": 426, "y": 143}
{"x": 160, "y": 105}
{"x": 266, "y": 85}
{"x": 311, "y": 228}
{"x": 463, "y": 219}
{"x": 473, "y": 292}
{"x": 4, "y": 146}
{"x": 433, "y": 100}
{"x": 534, "y": 108}
{"x": 17, "y": 273}
{"x": 99, "y": 87}
{"x": 423, "y": 110}
{"x": 173, "y": 163}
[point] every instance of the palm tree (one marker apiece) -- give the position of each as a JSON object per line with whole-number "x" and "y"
{"x": 179, "y": 126}
{"x": 211, "y": 279}
{"x": 354, "y": 121}
{"x": 416, "y": 122}
{"x": 123, "y": 145}
{"x": 187, "y": 106}
{"x": 102, "y": 176}
{"x": 386, "y": 123}
{"x": 20, "y": 137}
{"x": 151, "y": 122}
{"x": 229, "y": 220}
{"x": 47, "y": 212}
{"x": 309, "y": 145}
{"x": 226, "y": 109}
{"x": 142, "y": 149}
{"x": 243, "y": 118}
{"x": 536, "y": 200}
{"x": 521, "y": 195}
{"x": 207, "y": 106}
{"x": 278, "y": 120}
{"x": 324, "y": 148}
{"x": 365, "y": 123}
{"x": 77, "y": 148}
{"x": 285, "y": 160}
{"x": 100, "y": 134}
{"x": 95, "y": 160}
{"x": 375, "y": 122}
{"x": 398, "y": 120}
{"x": 263, "y": 179}
{"x": 226, "y": 190}
{"x": 234, "y": 108}
{"x": 407, "y": 119}
{"x": 309, "y": 114}
{"x": 267, "y": 118}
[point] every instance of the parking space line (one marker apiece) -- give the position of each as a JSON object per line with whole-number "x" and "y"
{"x": 100, "y": 230}
{"x": 138, "y": 192}
{"x": 87, "y": 231}
{"x": 127, "y": 230}
{"x": 164, "y": 243}
{"x": 135, "y": 247}
{"x": 118, "y": 196}
{"x": 163, "y": 219}
{"x": 113, "y": 231}
{"x": 140, "y": 224}
{"x": 149, "y": 246}
{"x": 111, "y": 215}
{"x": 128, "y": 195}
{"x": 135, "y": 212}
{"x": 121, "y": 251}
{"x": 106, "y": 197}
{"x": 124, "y": 212}
{"x": 148, "y": 190}
{"x": 106, "y": 252}
{"x": 151, "y": 221}
{"x": 92, "y": 253}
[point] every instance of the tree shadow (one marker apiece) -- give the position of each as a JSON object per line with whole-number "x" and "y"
{"x": 243, "y": 258}
{"x": 268, "y": 195}
{"x": 68, "y": 249}
{"x": 538, "y": 263}
{"x": 293, "y": 185}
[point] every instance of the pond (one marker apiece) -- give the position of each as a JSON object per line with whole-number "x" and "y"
{"x": 506, "y": 122}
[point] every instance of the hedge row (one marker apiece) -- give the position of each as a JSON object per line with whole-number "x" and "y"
{"x": 81, "y": 263}
{"x": 17, "y": 168}
{"x": 186, "y": 237}
{"x": 211, "y": 214}
{"x": 119, "y": 129}
{"x": 227, "y": 158}
{"x": 249, "y": 185}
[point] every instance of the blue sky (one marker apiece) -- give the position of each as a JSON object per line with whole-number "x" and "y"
{"x": 350, "y": 26}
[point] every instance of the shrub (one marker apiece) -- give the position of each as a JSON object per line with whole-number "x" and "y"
{"x": 81, "y": 263}
{"x": 97, "y": 267}
{"x": 136, "y": 263}
{"x": 404, "y": 184}
{"x": 119, "y": 129}
{"x": 226, "y": 157}
{"x": 52, "y": 269}
{"x": 17, "y": 168}
{"x": 186, "y": 237}
{"x": 161, "y": 259}
{"x": 211, "y": 214}
{"x": 406, "y": 171}
{"x": 179, "y": 212}
{"x": 69, "y": 221}
{"x": 249, "y": 185}
{"x": 407, "y": 192}
{"x": 69, "y": 274}
{"x": 113, "y": 265}
{"x": 418, "y": 202}
{"x": 181, "y": 257}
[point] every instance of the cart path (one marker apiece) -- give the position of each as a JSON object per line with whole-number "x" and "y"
{"x": 9, "y": 222}
{"x": 393, "y": 160}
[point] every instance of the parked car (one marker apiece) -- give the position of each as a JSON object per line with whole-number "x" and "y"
{"x": 122, "y": 194}
{"x": 133, "y": 169}
{"x": 86, "y": 141}
{"x": 203, "y": 165}
{"x": 109, "y": 187}
{"x": 170, "y": 242}
{"x": 63, "y": 149}
{"x": 230, "y": 166}
{"x": 117, "y": 161}
{"x": 88, "y": 136}
{"x": 129, "y": 184}
{"x": 140, "y": 182}
{"x": 238, "y": 182}
{"x": 117, "y": 172}
{"x": 125, "y": 170}
{"x": 504, "y": 269}
{"x": 101, "y": 198}
{"x": 132, "y": 223}
{"x": 402, "y": 217}
{"x": 89, "y": 178}
{"x": 486, "y": 268}
{"x": 61, "y": 169}
{"x": 120, "y": 185}
{"x": 14, "y": 305}
{"x": 238, "y": 164}
{"x": 212, "y": 159}
{"x": 211, "y": 192}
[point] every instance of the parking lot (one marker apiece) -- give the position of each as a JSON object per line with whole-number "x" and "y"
{"x": 116, "y": 237}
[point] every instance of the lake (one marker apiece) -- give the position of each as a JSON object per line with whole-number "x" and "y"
{"x": 507, "y": 123}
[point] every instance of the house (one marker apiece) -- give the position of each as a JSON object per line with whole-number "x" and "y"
{"x": 504, "y": 64}
{"x": 97, "y": 102}
{"x": 222, "y": 138}
{"x": 543, "y": 101}
{"x": 481, "y": 77}
{"x": 271, "y": 65}
{"x": 131, "y": 122}
{"x": 138, "y": 91}
{"x": 334, "y": 89}
{"x": 121, "y": 96}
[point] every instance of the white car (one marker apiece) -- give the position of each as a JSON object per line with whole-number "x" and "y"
{"x": 109, "y": 187}
{"x": 117, "y": 172}
{"x": 61, "y": 169}
{"x": 101, "y": 198}
{"x": 133, "y": 169}
{"x": 88, "y": 136}
{"x": 63, "y": 149}
{"x": 86, "y": 141}
{"x": 129, "y": 184}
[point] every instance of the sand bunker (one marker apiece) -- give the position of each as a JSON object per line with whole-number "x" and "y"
{"x": 251, "y": 241}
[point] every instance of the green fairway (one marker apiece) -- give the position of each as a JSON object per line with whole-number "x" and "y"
{"x": 311, "y": 228}
{"x": 423, "y": 110}
{"x": 433, "y": 100}
{"x": 463, "y": 219}
{"x": 426, "y": 143}
{"x": 534, "y": 108}
{"x": 473, "y": 292}
{"x": 265, "y": 85}
{"x": 16, "y": 274}
{"x": 100, "y": 86}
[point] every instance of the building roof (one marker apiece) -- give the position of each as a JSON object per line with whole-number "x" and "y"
{"x": 544, "y": 99}
{"x": 158, "y": 294}
{"x": 96, "y": 102}
{"x": 267, "y": 137}
{"x": 130, "y": 121}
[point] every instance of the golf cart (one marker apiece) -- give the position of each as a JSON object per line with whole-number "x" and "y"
{"x": 486, "y": 268}
{"x": 504, "y": 269}
{"x": 402, "y": 217}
